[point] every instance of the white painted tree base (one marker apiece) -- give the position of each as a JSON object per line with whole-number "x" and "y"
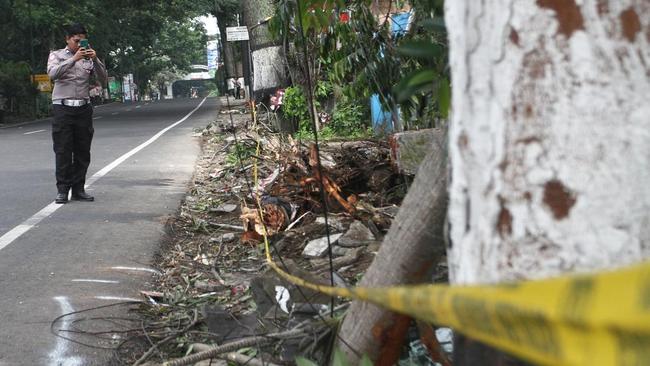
{"x": 550, "y": 137}
{"x": 268, "y": 68}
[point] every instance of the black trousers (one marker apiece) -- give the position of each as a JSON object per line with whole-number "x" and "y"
{"x": 72, "y": 134}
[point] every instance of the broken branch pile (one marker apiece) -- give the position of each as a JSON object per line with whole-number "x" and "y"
{"x": 214, "y": 261}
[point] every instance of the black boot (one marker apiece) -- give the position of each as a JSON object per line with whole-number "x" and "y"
{"x": 82, "y": 196}
{"x": 61, "y": 198}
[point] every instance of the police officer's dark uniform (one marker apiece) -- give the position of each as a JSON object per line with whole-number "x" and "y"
{"x": 72, "y": 129}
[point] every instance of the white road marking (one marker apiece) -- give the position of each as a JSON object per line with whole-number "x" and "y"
{"x": 94, "y": 281}
{"x": 26, "y": 225}
{"x": 122, "y": 158}
{"x": 128, "y": 110}
{"x": 138, "y": 107}
{"x": 98, "y": 117}
{"x": 137, "y": 269}
{"x": 29, "y": 133}
{"x": 58, "y": 354}
{"x": 114, "y": 113}
{"x": 19, "y": 230}
{"x": 117, "y": 298}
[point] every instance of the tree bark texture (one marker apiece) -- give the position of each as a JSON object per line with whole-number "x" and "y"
{"x": 550, "y": 137}
{"x": 412, "y": 246}
{"x": 268, "y": 63}
{"x": 229, "y": 60}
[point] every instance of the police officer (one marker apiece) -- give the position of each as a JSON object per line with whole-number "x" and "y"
{"x": 72, "y": 130}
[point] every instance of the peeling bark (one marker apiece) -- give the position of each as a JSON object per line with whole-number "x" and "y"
{"x": 550, "y": 137}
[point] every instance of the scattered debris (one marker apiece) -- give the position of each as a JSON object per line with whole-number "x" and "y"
{"x": 215, "y": 261}
{"x": 357, "y": 235}
{"x": 318, "y": 247}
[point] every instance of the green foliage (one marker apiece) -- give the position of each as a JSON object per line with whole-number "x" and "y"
{"x": 16, "y": 87}
{"x": 424, "y": 92}
{"x": 409, "y": 72}
{"x": 243, "y": 150}
{"x": 349, "y": 120}
{"x": 301, "y": 361}
{"x": 295, "y": 107}
{"x": 339, "y": 358}
{"x": 365, "y": 361}
{"x": 143, "y": 38}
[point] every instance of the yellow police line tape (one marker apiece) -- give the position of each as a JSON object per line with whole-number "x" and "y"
{"x": 599, "y": 319}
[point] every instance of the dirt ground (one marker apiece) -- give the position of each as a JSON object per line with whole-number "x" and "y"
{"x": 215, "y": 286}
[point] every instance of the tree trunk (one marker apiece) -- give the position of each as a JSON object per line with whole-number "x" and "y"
{"x": 549, "y": 142}
{"x": 229, "y": 60}
{"x": 268, "y": 64}
{"x": 413, "y": 245}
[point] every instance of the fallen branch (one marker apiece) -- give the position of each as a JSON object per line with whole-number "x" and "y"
{"x": 233, "y": 346}
{"x": 226, "y": 226}
{"x": 328, "y": 185}
{"x": 235, "y": 357}
{"x": 154, "y": 347}
{"x": 350, "y": 258}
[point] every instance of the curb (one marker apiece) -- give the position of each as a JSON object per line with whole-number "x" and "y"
{"x": 3, "y": 127}
{"x": 19, "y": 124}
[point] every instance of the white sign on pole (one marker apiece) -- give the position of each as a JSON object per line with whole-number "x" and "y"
{"x": 236, "y": 34}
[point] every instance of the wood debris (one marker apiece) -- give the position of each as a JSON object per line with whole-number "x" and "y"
{"x": 213, "y": 255}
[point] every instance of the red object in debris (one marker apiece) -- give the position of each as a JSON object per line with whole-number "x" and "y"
{"x": 344, "y": 17}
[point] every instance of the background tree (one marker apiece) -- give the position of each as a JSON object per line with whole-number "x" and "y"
{"x": 142, "y": 38}
{"x": 227, "y": 12}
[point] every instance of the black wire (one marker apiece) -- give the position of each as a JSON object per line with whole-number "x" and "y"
{"x": 248, "y": 184}
{"x": 312, "y": 114}
{"x": 275, "y": 249}
{"x": 56, "y": 332}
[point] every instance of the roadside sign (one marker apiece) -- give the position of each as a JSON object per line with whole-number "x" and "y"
{"x": 114, "y": 88}
{"x": 43, "y": 82}
{"x": 236, "y": 34}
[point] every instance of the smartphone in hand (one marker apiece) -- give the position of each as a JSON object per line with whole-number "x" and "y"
{"x": 83, "y": 43}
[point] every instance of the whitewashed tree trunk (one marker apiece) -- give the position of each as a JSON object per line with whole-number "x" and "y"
{"x": 550, "y": 137}
{"x": 268, "y": 64}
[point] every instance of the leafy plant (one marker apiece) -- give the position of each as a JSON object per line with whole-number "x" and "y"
{"x": 295, "y": 107}
{"x": 241, "y": 150}
{"x": 16, "y": 87}
{"x": 339, "y": 359}
{"x": 424, "y": 91}
{"x": 349, "y": 120}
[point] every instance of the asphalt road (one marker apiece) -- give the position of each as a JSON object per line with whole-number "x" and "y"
{"x": 59, "y": 259}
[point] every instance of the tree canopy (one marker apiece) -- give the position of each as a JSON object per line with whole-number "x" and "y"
{"x": 139, "y": 37}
